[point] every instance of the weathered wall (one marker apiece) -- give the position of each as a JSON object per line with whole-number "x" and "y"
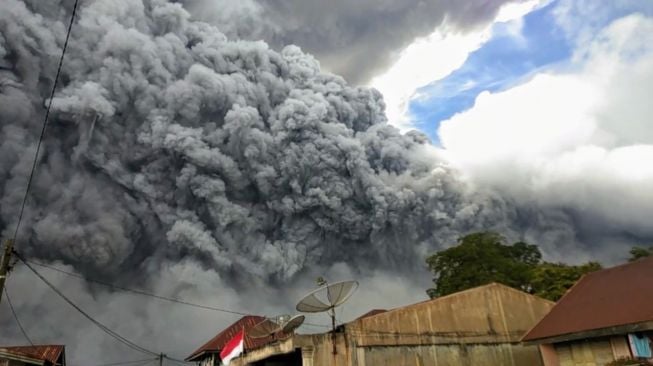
{"x": 351, "y": 354}
{"x": 446, "y": 355}
{"x": 549, "y": 355}
{"x": 592, "y": 352}
{"x": 489, "y": 314}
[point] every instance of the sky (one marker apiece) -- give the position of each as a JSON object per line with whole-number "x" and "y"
{"x": 216, "y": 163}
{"x": 533, "y": 38}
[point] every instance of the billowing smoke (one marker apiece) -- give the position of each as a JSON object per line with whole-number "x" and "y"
{"x": 356, "y": 39}
{"x": 169, "y": 141}
{"x": 179, "y": 160}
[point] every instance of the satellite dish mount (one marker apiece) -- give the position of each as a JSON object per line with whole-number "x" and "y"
{"x": 327, "y": 298}
{"x": 281, "y": 323}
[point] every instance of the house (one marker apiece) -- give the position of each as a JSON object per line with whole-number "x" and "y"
{"x": 209, "y": 353}
{"x": 44, "y": 355}
{"x": 479, "y": 326}
{"x": 606, "y": 316}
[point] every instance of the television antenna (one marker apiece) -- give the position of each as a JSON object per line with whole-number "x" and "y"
{"x": 269, "y": 326}
{"x": 327, "y": 298}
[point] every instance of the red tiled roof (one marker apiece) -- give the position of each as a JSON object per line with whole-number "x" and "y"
{"x": 216, "y": 343}
{"x": 611, "y": 297}
{"x": 50, "y": 353}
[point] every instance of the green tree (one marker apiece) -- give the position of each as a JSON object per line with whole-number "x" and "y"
{"x": 484, "y": 257}
{"x": 552, "y": 280}
{"x": 639, "y": 252}
{"x": 481, "y": 258}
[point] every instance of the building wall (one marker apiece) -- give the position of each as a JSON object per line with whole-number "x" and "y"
{"x": 591, "y": 352}
{"x": 351, "y": 354}
{"x": 488, "y": 314}
{"x": 549, "y": 355}
{"x": 445, "y": 355}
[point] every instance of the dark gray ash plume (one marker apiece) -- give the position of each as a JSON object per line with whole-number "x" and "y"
{"x": 169, "y": 141}
{"x": 356, "y": 39}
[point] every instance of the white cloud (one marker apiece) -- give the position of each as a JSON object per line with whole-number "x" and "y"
{"x": 580, "y": 139}
{"x": 424, "y": 61}
{"x": 432, "y": 58}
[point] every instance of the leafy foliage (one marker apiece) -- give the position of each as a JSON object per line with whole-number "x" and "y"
{"x": 640, "y": 252}
{"x": 484, "y": 257}
{"x": 552, "y": 280}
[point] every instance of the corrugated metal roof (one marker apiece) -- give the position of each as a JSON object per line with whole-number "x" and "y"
{"x": 247, "y": 322}
{"x": 611, "y": 297}
{"x": 50, "y": 353}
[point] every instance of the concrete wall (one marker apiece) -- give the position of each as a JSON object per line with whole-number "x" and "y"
{"x": 591, "y": 352}
{"x": 317, "y": 351}
{"x": 445, "y": 355}
{"x": 489, "y": 314}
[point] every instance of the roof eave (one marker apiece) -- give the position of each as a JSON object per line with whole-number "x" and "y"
{"x": 21, "y": 358}
{"x": 591, "y": 333}
{"x": 194, "y": 357}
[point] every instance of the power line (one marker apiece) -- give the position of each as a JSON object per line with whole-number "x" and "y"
{"x": 136, "y": 291}
{"x": 129, "y": 362}
{"x": 103, "y": 327}
{"x": 149, "y": 294}
{"x": 45, "y": 121}
{"x": 181, "y": 362}
{"x": 13, "y": 311}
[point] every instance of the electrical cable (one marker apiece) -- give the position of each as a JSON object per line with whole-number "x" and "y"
{"x": 103, "y": 327}
{"x": 149, "y": 294}
{"x": 140, "y": 362}
{"x": 181, "y": 362}
{"x": 136, "y": 291}
{"x": 13, "y": 311}
{"x": 45, "y": 121}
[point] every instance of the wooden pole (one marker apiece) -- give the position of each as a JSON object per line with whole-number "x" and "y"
{"x": 4, "y": 265}
{"x": 333, "y": 330}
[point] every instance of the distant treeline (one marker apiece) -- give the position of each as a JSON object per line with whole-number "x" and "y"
{"x": 485, "y": 257}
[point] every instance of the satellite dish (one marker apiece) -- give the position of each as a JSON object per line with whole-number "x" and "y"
{"x": 264, "y": 328}
{"x": 270, "y": 326}
{"x": 292, "y": 324}
{"x": 325, "y": 299}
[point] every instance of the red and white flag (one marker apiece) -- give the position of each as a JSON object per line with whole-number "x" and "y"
{"x": 233, "y": 348}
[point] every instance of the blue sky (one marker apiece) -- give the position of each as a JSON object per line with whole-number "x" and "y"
{"x": 516, "y": 50}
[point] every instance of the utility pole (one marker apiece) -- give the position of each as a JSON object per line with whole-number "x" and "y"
{"x": 161, "y": 356}
{"x": 4, "y": 265}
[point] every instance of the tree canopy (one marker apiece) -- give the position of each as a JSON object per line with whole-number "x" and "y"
{"x": 640, "y": 252}
{"x": 484, "y": 257}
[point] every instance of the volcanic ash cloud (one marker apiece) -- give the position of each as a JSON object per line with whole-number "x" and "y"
{"x": 168, "y": 141}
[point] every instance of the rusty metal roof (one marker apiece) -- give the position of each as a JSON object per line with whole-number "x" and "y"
{"x": 616, "y": 296}
{"x": 49, "y": 353}
{"x": 247, "y": 322}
